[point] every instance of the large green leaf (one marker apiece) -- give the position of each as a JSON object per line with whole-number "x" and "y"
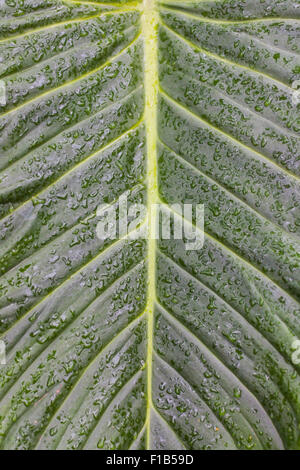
{"x": 136, "y": 343}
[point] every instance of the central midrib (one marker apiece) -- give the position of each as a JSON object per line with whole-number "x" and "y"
{"x": 149, "y": 31}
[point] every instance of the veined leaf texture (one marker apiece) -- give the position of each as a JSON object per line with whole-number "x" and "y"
{"x": 137, "y": 342}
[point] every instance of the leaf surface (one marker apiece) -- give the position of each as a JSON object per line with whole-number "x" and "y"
{"x": 137, "y": 343}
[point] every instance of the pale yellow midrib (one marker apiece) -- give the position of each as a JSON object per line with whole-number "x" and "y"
{"x": 149, "y": 32}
